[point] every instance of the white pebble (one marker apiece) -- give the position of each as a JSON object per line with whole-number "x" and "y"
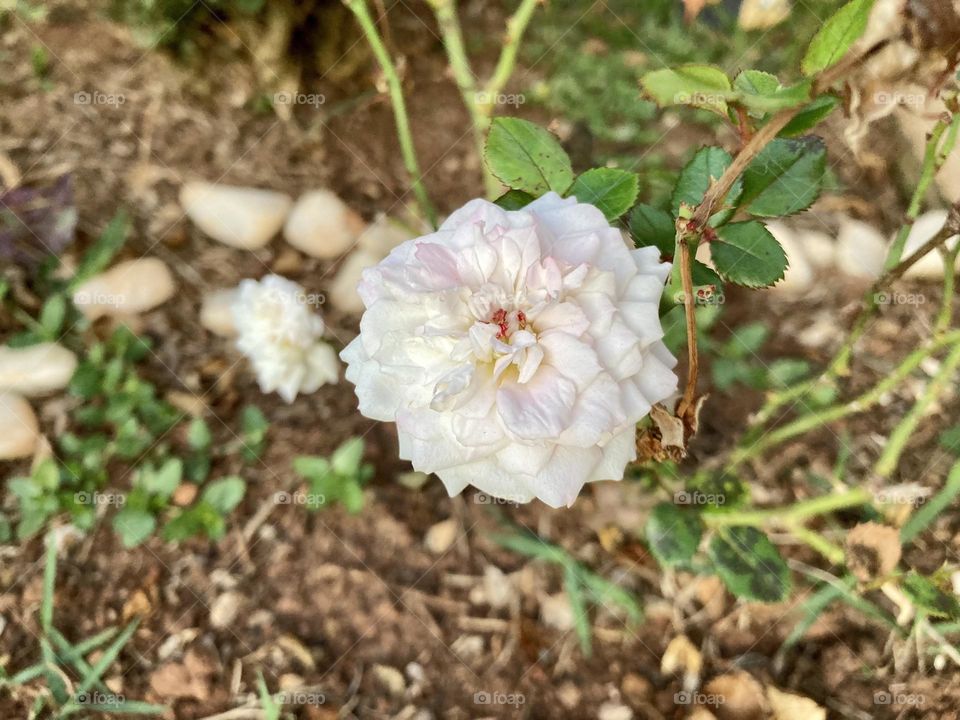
{"x": 36, "y": 369}
{"x": 799, "y": 276}
{"x": 244, "y": 218}
{"x": 216, "y": 312}
{"x": 322, "y": 225}
{"x": 924, "y": 228}
{"x": 128, "y": 288}
{"x": 19, "y": 429}
{"x": 861, "y": 250}
{"x": 440, "y": 537}
{"x": 343, "y": 289}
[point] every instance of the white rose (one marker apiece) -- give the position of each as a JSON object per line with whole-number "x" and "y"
{"x": 280, "y": 335}
{"x": 516, "y": 351}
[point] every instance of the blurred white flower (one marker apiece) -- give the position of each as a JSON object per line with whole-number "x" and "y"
{"x": 280, "y": 335}
{"x": 516, "y": 351}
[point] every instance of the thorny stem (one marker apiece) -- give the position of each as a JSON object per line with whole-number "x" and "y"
{"x": 933, "y": 158}
{"x": 480, "y": 104}
{"x": 835, "y": 412}
{"x": 793, "y": 517}
{"x": 367, "y": 24}
{"x": 712, "y": 200}
{"x": 839, "y": 365}
{"x": 901, "y": 434}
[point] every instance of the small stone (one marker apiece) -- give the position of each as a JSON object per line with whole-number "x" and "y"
{"x": 569, "y": 695}
{"x": 288, "y": 262}
{"x": 924, "y": 228}
{"x": 412, "y": 480}
{"x": 799, "y": 275}
{"x": 241, "y": 217}
{"x": 322, "y": 225}
{"x": 224, "y": 610}
{"x": 739, "y": 696}
{"x": 128, "y": 288}
{"x": 614, "y": 711}
{"x": 36, "y": 369}
{"x": 637, "y": 688}
{"x": 390, "y": 679}
{"x": 787, "y": 706}
{"x": 861, "y": 250}
{"x": 216, "y": 312}
{"x": 555, "y": 611}
{"x": 383, "y": 235}
{"x": 18, "y": 427}
{"x": 468, "y": 647}
{"x": 818, "y": 247}
{"x": 290, "y": 681}
{"x": 343, "y": 289}
{"x": 184, "y": 495}
{"x": 496, "y": 587}
{"x": 440, "y": 537}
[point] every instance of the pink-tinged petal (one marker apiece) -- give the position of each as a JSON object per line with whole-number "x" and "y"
{"x": 565, "y": 316}
{"x": 439, "y": 266}
{"x": 597, "y": 415}
{"x": 559, "y": 482}
{"x": 538, "y": 409}
{"x": 574, "y": 359}
{"x": 617, "y": 453}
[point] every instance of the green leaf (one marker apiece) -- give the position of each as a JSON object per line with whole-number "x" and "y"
{"x": 578, "y": 606}
{"x": 650, "y": 226}
{"x": 311, "y": 467}
{"x": 254, "y": 426}
{"x": 198, "y": 434}
{"x": 52, "y": 316}
{"x": 49, "y": 582}
{"x": 164, "y": 480}
{"x": 747, "y": 254}
{"x": 702, "y": 86}
{"x": 922, "y": 518}
{"x": 673, "y": 534}
{"x": 103, "y": 250}
{"x": 346, "y": 458}
{"x": 612, "y": 190}
{"x": 924, "y": 593}
{"x": 271, "y": 709}
{"x": 809, "y": 116}
{"x": 524, "y": 156}
{"x": 950, "y": 440}
{"x": 746, "y": 340}
{"x": 762, "y": 92}
{"x": 786, "y": 371}
{"x": 133, "y": 526}
{"x": 837, "y": 35}
{"x": 225, "y": 494}
{"x": 695, "y": 178}
{"x": 785, "y": 177}
{"x": 514, "y": 200}
{"x": 749, "y": 564}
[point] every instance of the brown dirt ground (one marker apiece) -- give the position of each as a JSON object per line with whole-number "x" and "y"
{"x": 329, "y": 597}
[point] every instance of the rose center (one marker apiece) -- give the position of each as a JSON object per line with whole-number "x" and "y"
{"x": 508, "y": 322}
